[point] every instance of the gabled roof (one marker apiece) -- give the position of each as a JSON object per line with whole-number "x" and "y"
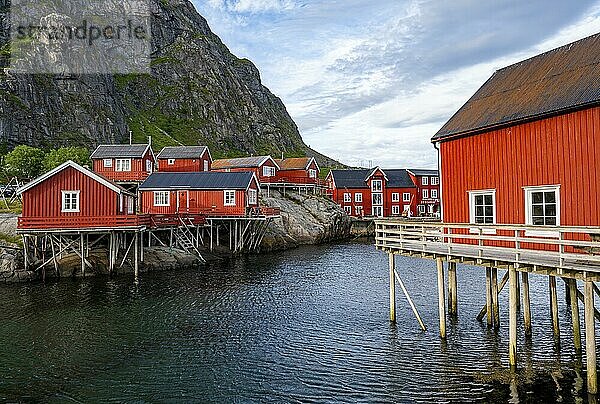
{"x": 83, "y": 170}
{"x": 423, "y": 173}
{"x": 183, "y": 152}
{"x": 105, "y": 151}
{"x": 296, "y": 163}
{"x": 396, "y": 178}
{"x": 559, "y": 81}
{"x": 207, "y": 180}
{"x": 242, "y": 162}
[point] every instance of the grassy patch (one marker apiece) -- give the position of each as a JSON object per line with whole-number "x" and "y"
{"x": 14, "y": 207}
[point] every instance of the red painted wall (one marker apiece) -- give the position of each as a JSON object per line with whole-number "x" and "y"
{"x": 301, "y": 176}
{"x": 184, "y": 165}
{"x": 138, "y": 169}
{"x": 45, "y": 199}
{"x": 256, "y": 170}
{"x": 561, "y": 150}
{"x": 418, "y": 181}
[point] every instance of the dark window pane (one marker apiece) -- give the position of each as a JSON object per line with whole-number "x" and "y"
{"x": 551, "y": 221}
{"x": 538, "y": 221}
{"x": 488, "y": 199}
{"x": 478, "y": 219}
{"x": 538, "y": 210}
{"x": 479, "y": 211}
{"x": 537, "y": 197}
{"x": 489, "y": 211}
{"x": 551, "y": 210}
{"x": 489, "y": 220}
{"x": 550, "y": 197}
{"x": 479, "y": 200}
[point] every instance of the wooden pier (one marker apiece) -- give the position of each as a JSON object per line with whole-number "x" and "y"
{"x": 569, "y": 253}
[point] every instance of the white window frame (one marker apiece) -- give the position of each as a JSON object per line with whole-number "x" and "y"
{"x": 434, "y": 194}
{"x": 348, "y": 210}
{"x": 358, "y": 197}
{"x": 379, "y": 209}
{"x": 377, "y": 185}
{"x": 206, "y": 165}
{"x": 252, "y": 197}
{"x": 435, "y": 180}
{"x": 472, "y": 195}
{"x": 425, "y": 181}
{"x": 395, "y": 196}
{"x": 123, "y": 165}
{"x": 70, "y": 194}
{"x": 108, "y": 163}
{"x": 425, "y": 193}
{"x": 228, "y": 197}
{"x": 312, "y": 173}
{"x": 171, "y": 162}
{"x": 378, "y": 196}
{"x": 529, "y": 214}
{"x": 162, "y": 198}
{"x": 358, "y": 210}
{"x": 149, "y": 166}
{"x": 395, "y": 209}
{"x": 421, "y": 209}
{"x": 406, "y": 197}
{"x": 268, "y": 171}
{"x": 347, "y": 197}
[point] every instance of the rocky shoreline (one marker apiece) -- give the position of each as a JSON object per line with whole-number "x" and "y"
{"x": 306, "y": 219}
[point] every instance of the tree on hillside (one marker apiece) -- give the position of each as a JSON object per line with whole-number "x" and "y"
{"x": 24, "y": 162}
{"x": 54, "y": 158}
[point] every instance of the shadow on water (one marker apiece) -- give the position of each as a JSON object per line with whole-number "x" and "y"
{"x": 308, "y": 325}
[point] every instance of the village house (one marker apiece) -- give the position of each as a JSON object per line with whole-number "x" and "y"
{"x": 298, "y": 170}
{"x": 264, "y": 167}
{"x": 184, "y": 159}
{"x": 208, "y": 193}
{"x": 73, "y": 197}
{"x": 525, "y": 148}
{"x": 428, "y": 191}
{"x": 373, "y": 192}
{"x": 124, "y": 164}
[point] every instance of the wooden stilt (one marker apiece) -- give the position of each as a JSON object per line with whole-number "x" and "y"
{"x": 495, "y": 293}
{"x": 526, "y": 304}
{"x": 136, "y": 262}
{"x": 590, "y": 338}
{"x": 392, "y": 288}
{"x": 452, "y": 289}
{"x": 410, "y": 302}
{"x": 81, "y": 237}
{"x": 211, "y": 235}
{"x": 441, "y": 297}
{"x": 141, "y": 246}
{"x": 572, "y": 287}
{"x": 111, "y": 247}
{"x": 554, "y": 306}
{"x": 26, "y": 252}
{"x": 512, "y": 319}
{"x": 488, "y": 297}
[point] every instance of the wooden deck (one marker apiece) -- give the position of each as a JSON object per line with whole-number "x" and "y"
{"x": 569, "y": 252}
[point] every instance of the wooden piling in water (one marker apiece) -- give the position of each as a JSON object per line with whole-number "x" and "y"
{"x": 495, "y": 293}
{"x": 441, "y": 297}
{"x": 512, "y": 319}
{"x": 526, "y": 303}
{"x": 572, "y": 287}
{"x": 452, "y": 289}
{"x": 554, "y": 306}
{"x": 136, "y": 262}
{"x": 392, "y": 265}
{"x": 488, "y": 297}
{"x": 81, "y": 238}
{"x": 590, "y": 338}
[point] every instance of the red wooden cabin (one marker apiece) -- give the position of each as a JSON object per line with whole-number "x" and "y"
{"x": 298, "y": 170}
{"x": 428, "y": 191}
{"x": 210, "y": 193}
{"x": 124, "y": 163}
{"x": 73, "y": 197}
{"x": 264, "y": 167}
{"x": 373, "y": 192}
{"x": 525, "y": 148}
{"x": 184, "y": 159}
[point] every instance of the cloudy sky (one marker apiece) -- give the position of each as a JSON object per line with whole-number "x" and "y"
{"x": 373, "y": 80}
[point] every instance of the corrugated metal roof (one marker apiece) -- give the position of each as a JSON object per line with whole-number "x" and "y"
{"x": 563, "y": 79}
{"x": 182, "y": 152}
{"x": 350, "y": 178}
{"x": 197, "y": 180}
{"x": 398, "y": 178}
{"x": 240, "y": 162}
{"x": 424, "y": 173}
{"x": 295, "y": 163}
{"x": 119, "y": 150}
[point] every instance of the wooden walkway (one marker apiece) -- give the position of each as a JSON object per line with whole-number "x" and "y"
{"x": 571, "y": 253}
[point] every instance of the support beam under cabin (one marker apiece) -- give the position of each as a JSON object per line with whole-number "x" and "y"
{"x": 392, "y": 268}
{"x": 554, "y": 307}
{"x": 512, "y": 316}
{"x": 572, "y": 287}
{"x": 590, "y": 338}
{"x": 488, "y": 297}
{"x": 452, "y": 289}
{"x": 526, "y": 304}
{"x": 441, "y": 297}
{"x": 495, "y": 293}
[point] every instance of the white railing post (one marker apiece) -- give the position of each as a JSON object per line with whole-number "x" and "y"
{"x": 561, "y": 249}
{"x": 517, "y": 247}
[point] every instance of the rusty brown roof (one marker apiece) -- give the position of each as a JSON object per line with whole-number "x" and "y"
{"x": 555, "y": 82}
{"x": 294, "y": 163}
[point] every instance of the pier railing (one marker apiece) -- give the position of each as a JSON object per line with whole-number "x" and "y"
{"x": 82, "y": 222}
{"x": 563, "y": 247}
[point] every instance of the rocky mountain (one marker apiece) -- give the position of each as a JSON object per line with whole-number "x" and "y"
{"x": 198, "y": 92}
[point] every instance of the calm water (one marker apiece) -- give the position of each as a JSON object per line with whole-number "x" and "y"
{"x": 309, "y": 325}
